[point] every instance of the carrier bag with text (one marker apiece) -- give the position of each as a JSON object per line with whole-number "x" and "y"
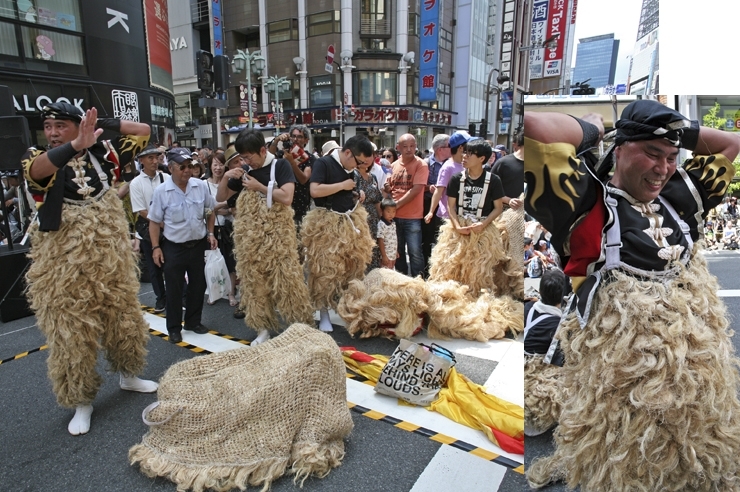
{"x": 416, "y": 372}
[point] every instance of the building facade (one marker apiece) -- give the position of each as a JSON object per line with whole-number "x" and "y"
{"x": 381, "y": 86}
{"x": 645, "y": 66}
{"x": 596, "y": 60}
{"x": 110, "y": 55}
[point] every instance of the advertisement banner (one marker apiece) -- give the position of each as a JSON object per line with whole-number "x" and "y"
{"x": 506, "y": 106}
{"x": 158, "y": 44}
{"x": 429, "y": 48}
{"x": 507, "y": 38}
{"x": 556, "y": 26}
{"x": 218, "y": 38}
{"x": 540, "y": 10}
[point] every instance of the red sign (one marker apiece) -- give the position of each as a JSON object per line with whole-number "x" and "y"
{"x": 330, "y": 54}
{"x": 158, "y": 44}
{"x": 556, "y": 27}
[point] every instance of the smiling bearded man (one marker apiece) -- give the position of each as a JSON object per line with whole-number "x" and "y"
{"x": 650, "y": 380}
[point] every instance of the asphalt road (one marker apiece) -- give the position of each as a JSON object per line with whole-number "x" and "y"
{"x": 38, "y": 454}
{"x": 725, "y": 265}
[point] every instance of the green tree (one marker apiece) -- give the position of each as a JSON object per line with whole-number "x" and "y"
{"x": 713, "y": 120}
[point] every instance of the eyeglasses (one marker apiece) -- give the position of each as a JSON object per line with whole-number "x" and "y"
{"x": 297, "y": 135}
{"x": 358, "y": 161}
{"x": 388, "y": 156}
{"x": 187, "y": 166}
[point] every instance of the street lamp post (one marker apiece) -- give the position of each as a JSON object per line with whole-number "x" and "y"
{"x": 500, "y": 79}
{"x": 245, "y": 60}
{"x": 277, "y": 84}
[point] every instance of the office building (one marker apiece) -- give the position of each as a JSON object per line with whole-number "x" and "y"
{"x": 596, "y": 61}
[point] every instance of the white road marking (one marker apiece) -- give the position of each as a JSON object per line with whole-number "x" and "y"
{"x": 728, "y": 293}
{"x": 453, "y": 469}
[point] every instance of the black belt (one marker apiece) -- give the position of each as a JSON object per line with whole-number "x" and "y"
{"x": 187, "y": 244}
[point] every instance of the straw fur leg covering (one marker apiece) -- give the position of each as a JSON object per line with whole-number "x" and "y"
{"x": 468, "y": 259}
{"x": 454, "y": 313}
{"x": 335, "y": 253}
{"x": 542, "y": 394}
{"x": 83, "y": 286}
{"x": 651, "y": 390}
{"x": 267, "y": 263}
{"x": 509, "y": 275}
{"x": 385, "y": 296}
{"x": 247, "y": 416}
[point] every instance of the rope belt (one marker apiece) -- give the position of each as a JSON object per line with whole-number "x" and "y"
{"x": 347, "y": 214}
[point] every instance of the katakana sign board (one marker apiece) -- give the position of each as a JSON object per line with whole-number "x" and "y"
{"x": 429, "y": 50}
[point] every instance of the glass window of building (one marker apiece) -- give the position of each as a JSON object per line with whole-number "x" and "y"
{"x": 8, "y": 44}
{"x": 445, "y": 39}
{"x": 52, "y": 46}
{"x": 284, "y": 30}
{"x": 323, "y": 23}
{"x": 375, "y": 19}
{"x": 321, "y": 91}
{"x": 414, "y": 21}
{"x": 62, "y": 14}
{"x": 377, "y": 87}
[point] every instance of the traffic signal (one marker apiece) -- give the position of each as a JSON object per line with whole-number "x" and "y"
{"x": 204, "y": 63}
{"x": 584, "y": 90}
{"x": 483, "y": 128}
{"x": 471, "y": 129}
{"x": 221, "y": 73}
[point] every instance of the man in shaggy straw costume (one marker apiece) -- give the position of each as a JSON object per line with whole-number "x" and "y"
{"x": 650, "y": 379}
{"x": 335, "y": 234}
{"x": 265, "y": 239}
{"x": 83, "y": 280}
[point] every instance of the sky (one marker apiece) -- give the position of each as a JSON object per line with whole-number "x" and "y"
{"x": 596, "y": 17}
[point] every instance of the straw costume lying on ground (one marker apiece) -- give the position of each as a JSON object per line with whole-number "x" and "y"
{"x": 387, "y": 297}
{"x": 267, "y": 264}
{"x": 653, "y": 379}
{"x": 83, "y": 286}
{"x": 472, "y": 259}
{"x": 542, "y": 394}
{"x": 509, "y": 277}
{"x": 336, "y": 253}
{"x": 248, "y": 416}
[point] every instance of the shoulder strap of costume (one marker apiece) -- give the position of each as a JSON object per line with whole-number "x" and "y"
{"x": 487, "y": 181}
{"x": 101, "y": 174}
{"x": 271, "y": 184}
{"x": 461, "y": 194}
{"x": 684, "y": 226}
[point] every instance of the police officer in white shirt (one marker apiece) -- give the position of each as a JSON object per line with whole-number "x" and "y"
{"x": 185, "y": 206}
{"x": 140, "y": 191}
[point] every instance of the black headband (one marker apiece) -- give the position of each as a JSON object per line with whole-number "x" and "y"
{"x": 62, "y": 111}
{"x": 650, "y": 120}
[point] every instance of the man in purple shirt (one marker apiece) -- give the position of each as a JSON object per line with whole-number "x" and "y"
{"x": 451, "y": 167}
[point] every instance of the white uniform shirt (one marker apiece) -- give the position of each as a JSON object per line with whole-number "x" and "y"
{"x": 141, "y": 190}
{"x": 182, "y": 213}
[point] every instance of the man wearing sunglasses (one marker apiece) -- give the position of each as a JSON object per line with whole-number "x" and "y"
{"x": 184, "y": 206}
{"x": 336, "y": 234}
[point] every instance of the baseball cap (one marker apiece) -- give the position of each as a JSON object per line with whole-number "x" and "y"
{"x": 459, "y": 138}
{"x": 500, "y": 148}
{"x": 179, "y": 155}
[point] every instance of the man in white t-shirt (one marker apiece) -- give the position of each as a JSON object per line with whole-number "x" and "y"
{"x": 141, "y": 190}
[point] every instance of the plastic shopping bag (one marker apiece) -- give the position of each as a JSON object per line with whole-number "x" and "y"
{"x": 218, "y": 283}
{"x": 416, "y": 372}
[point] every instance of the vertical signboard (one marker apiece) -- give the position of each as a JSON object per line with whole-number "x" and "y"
{"x": 216, "y": 29}
{"x": 429, "y": 48}
{"x": 556, "y": 26}
{"x": 507, "y": 39}
{"x": 158, "y": 44}
{"x": 540, "y": 8}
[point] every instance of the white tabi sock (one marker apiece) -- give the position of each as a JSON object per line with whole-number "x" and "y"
{"x": 262, "y": 337}
{"x": 325, "y": 322}
{"x": 132, "y": 383}
{"x": 80, "y": 423}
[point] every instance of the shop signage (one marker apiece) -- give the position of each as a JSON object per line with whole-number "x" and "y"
{"x": 31, "y": 105}
{"x": 125, "y": 105}
{"x": 372, "y": 116}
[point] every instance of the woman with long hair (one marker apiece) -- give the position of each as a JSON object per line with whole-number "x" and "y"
{"x": 224, "y": 223}
{"x": 368, "y": 183}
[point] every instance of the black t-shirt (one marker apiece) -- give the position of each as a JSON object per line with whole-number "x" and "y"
{"x": 283, "y": 174}
{"x": 540, "y": 335}
{"x": 327, "y": 170}
{"x": 302, "y": 195}
{"x": 473, "y": 192}
{"x": 511, "y": 171}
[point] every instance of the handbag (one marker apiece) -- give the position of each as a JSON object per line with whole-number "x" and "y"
{"x": 218, "y": 282}
{"x": 416, "y": 372}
